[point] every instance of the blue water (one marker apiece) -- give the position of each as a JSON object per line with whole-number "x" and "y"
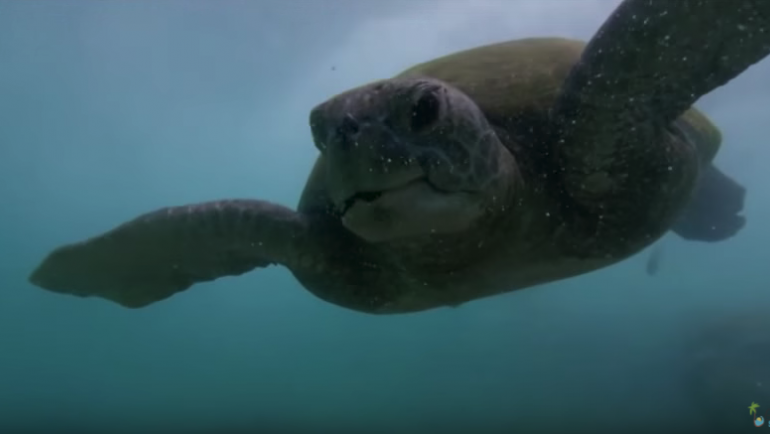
{"x": 112, "y": 109}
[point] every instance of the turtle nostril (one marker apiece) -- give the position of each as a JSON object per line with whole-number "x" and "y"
{"x": 348, "y": 126}
{"x": 346, "y": 131}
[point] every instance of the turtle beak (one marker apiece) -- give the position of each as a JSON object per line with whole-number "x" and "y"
{"x": 366, "y": 186}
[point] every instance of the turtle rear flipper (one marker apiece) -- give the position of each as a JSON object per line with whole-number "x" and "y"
{"x": 713, "y": 212}
{"x": 166, "y": 251}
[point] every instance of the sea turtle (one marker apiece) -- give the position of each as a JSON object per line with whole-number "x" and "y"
{"x": 479, "y": 173}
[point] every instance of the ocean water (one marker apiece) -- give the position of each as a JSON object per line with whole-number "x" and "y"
{"x": 111, "y": 109}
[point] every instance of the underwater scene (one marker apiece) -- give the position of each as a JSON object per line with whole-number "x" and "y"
{"x": 285, "y": 216}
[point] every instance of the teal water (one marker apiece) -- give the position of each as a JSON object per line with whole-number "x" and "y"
{"x": 112, "y": 109}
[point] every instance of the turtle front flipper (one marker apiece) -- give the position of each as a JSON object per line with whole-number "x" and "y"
{"x": 166, "y": 251}
{"x": 616, "y": 151}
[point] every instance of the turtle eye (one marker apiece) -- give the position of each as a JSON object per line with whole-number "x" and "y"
{"x": 425, "y": 112}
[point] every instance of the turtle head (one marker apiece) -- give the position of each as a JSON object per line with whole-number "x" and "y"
{"x": 408, "y": 157}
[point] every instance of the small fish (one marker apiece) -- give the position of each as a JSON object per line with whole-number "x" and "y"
{"x": 653, "y": 261}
